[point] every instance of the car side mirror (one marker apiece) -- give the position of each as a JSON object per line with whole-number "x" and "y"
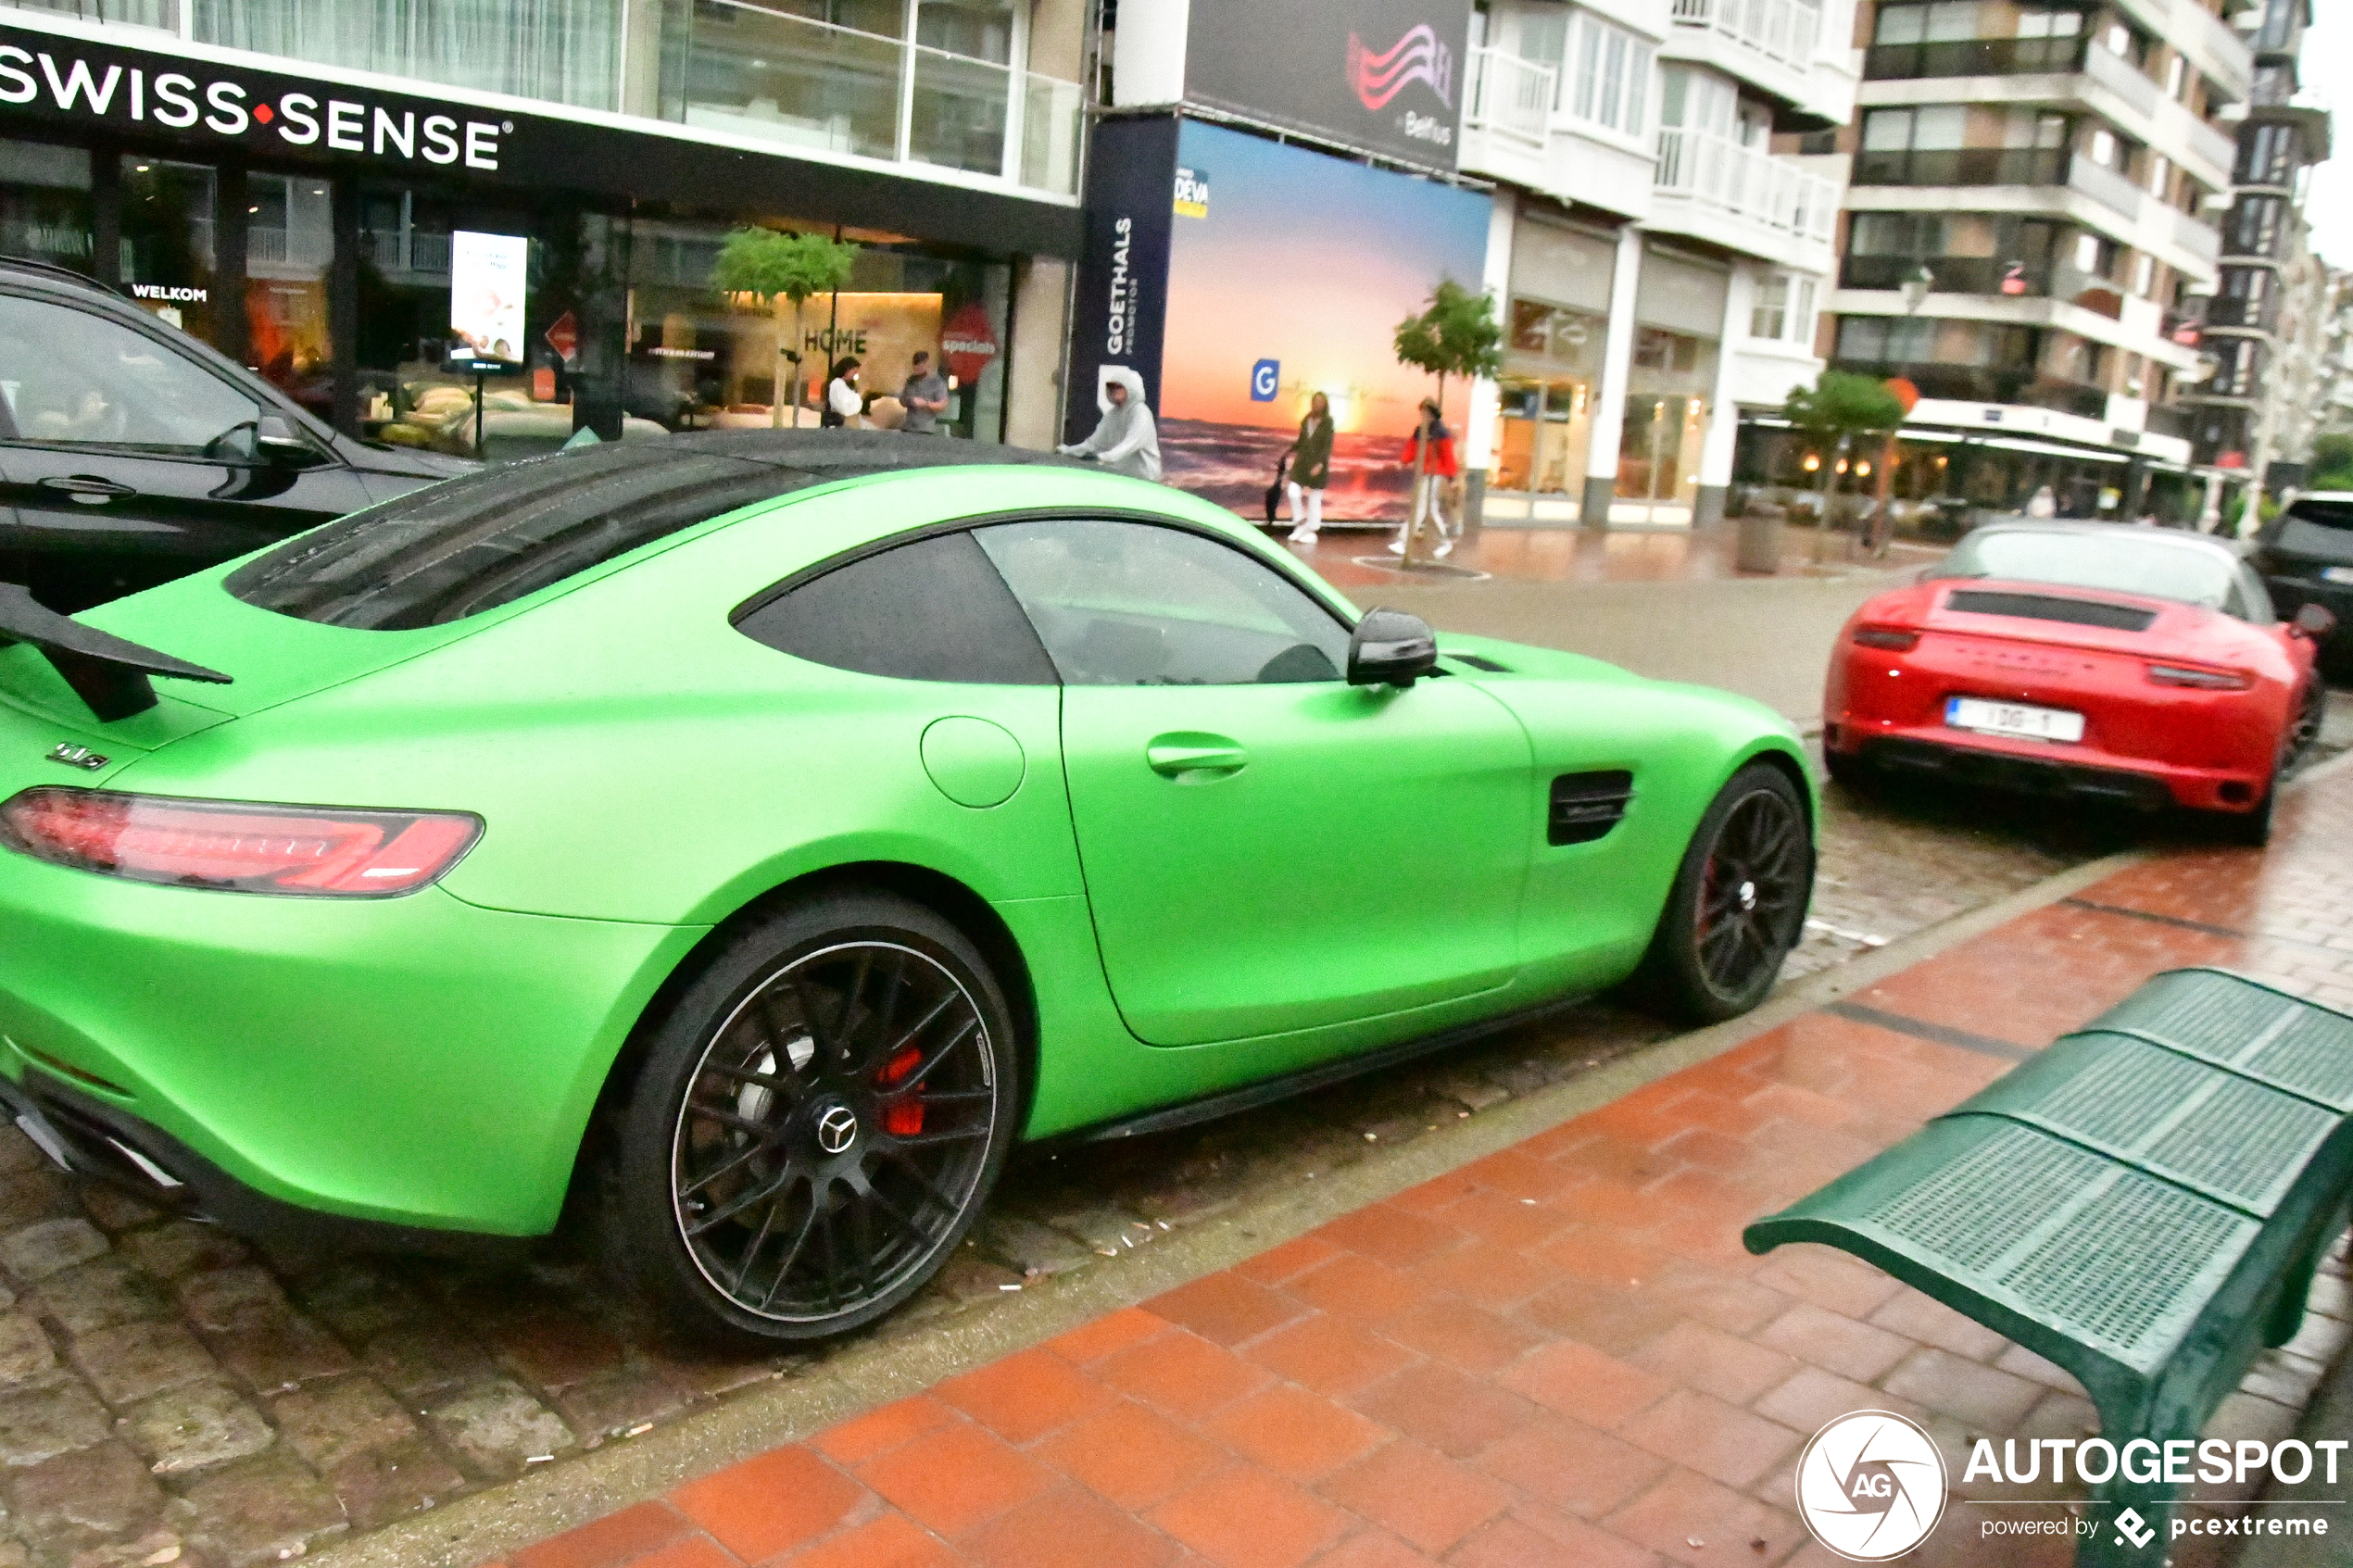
{"x": 2312, "y": 621}
{"x": 1390, "y": 647}
{"x": 279, "y": 446}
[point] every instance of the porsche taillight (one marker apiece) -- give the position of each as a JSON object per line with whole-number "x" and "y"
{"x": 236, "y": 846}
{"x": 2203, "y": 680}
{"x": 1892, "y": 639}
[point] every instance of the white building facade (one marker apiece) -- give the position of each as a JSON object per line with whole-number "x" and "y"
{"x": 1658, "y": 263}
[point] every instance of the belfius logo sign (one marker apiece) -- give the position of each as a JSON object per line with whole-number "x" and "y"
{"x": 1418, "y": 56}
{"x": 229, "y": 107}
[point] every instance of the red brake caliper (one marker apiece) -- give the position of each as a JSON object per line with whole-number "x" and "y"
{"x": 904, "y": 1118}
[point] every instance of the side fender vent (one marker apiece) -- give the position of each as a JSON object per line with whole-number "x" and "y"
{"x": 1586, "y": 806}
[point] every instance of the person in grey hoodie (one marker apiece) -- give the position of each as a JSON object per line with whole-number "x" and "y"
{"x": 1126, "y": 441}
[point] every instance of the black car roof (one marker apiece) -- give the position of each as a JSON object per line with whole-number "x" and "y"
{"x": 826, "y": 455}
{"x": 49, "y": 271}
{"x": 452, "y": 549}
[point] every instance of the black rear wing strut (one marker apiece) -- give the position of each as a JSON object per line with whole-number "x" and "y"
{"x": 107, "y": 673}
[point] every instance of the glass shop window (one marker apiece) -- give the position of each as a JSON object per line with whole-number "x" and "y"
{"x": 44, "y": 204}
{"x": 168, "y": 242}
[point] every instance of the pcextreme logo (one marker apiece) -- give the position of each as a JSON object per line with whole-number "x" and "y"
{"x": 1871, "y": 1486}
{"x": 226, "y": 106}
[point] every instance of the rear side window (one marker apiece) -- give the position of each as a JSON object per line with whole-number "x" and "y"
{"x": 2318, "y": 528}
{"x": 932, "y": 610}
{"x": 474, "y": 543}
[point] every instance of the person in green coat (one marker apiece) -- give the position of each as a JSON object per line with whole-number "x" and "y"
{"x": 1311, "y": 469}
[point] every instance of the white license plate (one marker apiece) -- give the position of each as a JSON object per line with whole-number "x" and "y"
{"x": 2013, "y": 718}
{"x": 2337, "y": 574}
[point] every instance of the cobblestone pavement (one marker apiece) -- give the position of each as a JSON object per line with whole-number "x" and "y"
{"x": 167, "y": 1396}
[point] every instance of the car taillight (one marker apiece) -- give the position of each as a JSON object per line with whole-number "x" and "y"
{"x": 236, "y": 846}
{"x": 2204, "y": 680}
{"x": 1886, "y": 637}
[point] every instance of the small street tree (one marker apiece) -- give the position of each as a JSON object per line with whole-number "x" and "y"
{"x": 1837, "y": 409}
{"x": 777, "y": 267}
{"x": 1456, "y": 335}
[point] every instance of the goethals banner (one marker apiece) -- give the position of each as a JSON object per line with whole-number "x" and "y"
{"x": 1384, "y": 75}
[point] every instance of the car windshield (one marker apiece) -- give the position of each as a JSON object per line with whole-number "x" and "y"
{"x": 2318, "y": 528}
{"x": 471, "y": 544}
{"x": 2121, "y": 562}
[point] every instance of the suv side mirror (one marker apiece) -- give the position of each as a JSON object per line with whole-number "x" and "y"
{"x": 279, "y": 446}
{"x": 1390, "y": 647}
{"x": 2312, "y": 621}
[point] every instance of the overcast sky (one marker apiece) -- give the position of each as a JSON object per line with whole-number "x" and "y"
{"x": 2328, "y": 45}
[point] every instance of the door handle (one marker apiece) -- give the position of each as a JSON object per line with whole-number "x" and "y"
{"x": 1190, "y": 758}
{"x": 86, "y": 486}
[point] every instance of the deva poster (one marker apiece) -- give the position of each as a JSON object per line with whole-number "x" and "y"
{"x": 1287, "y": 274}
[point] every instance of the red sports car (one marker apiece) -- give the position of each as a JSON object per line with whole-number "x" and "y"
{"x": 2119, "y": 664}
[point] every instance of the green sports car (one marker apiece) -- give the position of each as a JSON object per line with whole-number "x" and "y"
{"x": 760, "y": 834}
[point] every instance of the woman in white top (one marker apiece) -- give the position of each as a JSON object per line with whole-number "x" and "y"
{"x": 842, "y": 402}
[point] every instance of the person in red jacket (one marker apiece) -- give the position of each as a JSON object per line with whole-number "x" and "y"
{"x": 1436, "y": 445}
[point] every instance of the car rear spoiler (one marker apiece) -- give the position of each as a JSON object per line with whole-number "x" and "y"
{"x": 107, "y": 673}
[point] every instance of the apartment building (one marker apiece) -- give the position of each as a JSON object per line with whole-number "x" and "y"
{"x": 287, "y": 180}
{"x": 2031, "y": 220}
{"x": 2261, "y": 327}
{"x": 1659, "y": 245}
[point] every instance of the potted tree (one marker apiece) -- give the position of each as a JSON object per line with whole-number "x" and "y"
{"x": 1833, "y": 414}
{"x": 1456, "y": 335}
{"x": 777, "y": 267}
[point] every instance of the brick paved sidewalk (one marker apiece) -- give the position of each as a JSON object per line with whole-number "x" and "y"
{"x": 1559, "y": 1353}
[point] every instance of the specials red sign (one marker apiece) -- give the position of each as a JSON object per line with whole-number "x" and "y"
{"x": 968, "y": 344}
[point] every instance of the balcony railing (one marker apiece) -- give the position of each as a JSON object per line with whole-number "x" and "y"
{"x": 1954, "y": 274}
{"x": 1979, "y": 384}
{"x": 1510, "y": 95}
{"x": 784, "y": 78}
{"x": 1716, "y": 171}
{"x": 1973, "y": 57}
{"x": 2260, "y": 315}
{"x": 1779, "y": 30}
{"x": 2165, "y": 418}
{"x": 1962, "y": 166}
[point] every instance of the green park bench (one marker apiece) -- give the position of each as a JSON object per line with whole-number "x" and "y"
{"x": 2144, "y": 1203}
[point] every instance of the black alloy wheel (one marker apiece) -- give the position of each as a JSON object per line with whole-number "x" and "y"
{"x": 818, "y": 1125}
{"x": 1737, "y": 906}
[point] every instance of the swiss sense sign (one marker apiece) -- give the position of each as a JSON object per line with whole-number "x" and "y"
{"x": 267, "y": 115}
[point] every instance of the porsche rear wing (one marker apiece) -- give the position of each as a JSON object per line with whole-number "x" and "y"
{"x": 108, "y": 674}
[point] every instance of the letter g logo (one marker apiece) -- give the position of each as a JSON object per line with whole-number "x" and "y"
{"x": 1265, "y": 377}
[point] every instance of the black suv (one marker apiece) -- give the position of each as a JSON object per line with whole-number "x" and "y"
{"x": 131, "y": 453}
{"x": 2306, "y": 556}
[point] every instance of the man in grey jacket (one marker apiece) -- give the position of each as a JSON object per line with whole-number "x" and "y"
{"x": 1126, "y": 441}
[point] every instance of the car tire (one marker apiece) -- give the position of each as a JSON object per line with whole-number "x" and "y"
{"x": 1738, "y": 904}
{"x": 1850, "y": 773}
{"x": 814, "y": 1124}
{"x": 2252, "y": 829}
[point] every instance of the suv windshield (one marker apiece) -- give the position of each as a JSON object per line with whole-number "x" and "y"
{"x": 2317, "y": 527}
{"x": 483, "y": 540}
{"x": 2121, "y": 562}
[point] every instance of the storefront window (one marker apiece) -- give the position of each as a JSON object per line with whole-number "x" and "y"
{"x": 290, "y": 246}
{"x": 409, "y": 393}
{"x": 169, "y": 242}
{"x": 1544, "y": 415}
{"x": 1666, "y": 425}
{"x": 700, "y": 358}
{"x": 44, "y": 204}
{"x": 566, "y": 51}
